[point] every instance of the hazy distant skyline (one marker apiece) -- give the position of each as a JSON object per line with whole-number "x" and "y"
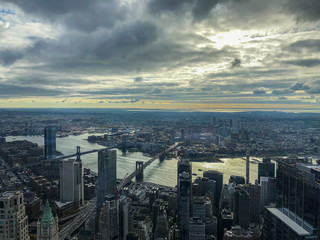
{"x": 184, "y": 54}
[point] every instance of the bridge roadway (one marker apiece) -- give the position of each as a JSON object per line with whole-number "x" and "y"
{"x": 45, "y": 161}
{"x": 146, "y": 164}
{"x": 89, "y": 209}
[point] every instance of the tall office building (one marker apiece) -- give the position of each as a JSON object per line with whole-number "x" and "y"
{"x": 13, "y": 219}
{"x": 184, "y": 200}
{"x": 241, "y": 208}
{"x": 124, "y": 213}
{"x": 298, "y": 183}
{"x": 71, "y": 182}
{"x": 162, "y": 228}
{"x": 247, "y": 167}
{"x": 109, "y": 218}
{"x": 266, "y": 168}
{"x": 218, "y": 177}
{"x": 47, "y": 228}
{"x": 254, "y": 191}
{"x": 281, "y": 226}
{"x": 50, "y": 142}
{"x": 268, "y": 190}
{"x": 107, "y": 175}
{"x": 184, "y": 165}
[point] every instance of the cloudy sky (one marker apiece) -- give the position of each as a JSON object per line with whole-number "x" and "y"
{"x": 213, "y": 55}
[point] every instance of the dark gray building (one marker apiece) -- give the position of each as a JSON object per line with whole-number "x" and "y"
{"x": 241, "y": 208}
{"x": 107, "y": 175}
{"x": 266, "y": 168}
{"x": 278, "y": 225}
{"x": 50, "y": 142}
{"x": 298, "y": 182}
{"x": 184, "y": 201}
{"x": 218, "y": 178}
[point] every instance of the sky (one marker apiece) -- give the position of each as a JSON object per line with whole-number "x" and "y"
{"x": 209, "y": 55}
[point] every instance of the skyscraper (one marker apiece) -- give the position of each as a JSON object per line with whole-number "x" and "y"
{"x": 268, "y": 190}
{"x": 247, "y": 167}
{"x": 50, "y": 142}
{"x": 109, "y": 218}
{"x": 266, "y": 168}
{"x": 299, "y": 186}
{"x": 13, "y": 219}
{"x": 241, "y": 208}
{"x": 184, "y": 200}
{"x": 218, "y": 177}
{"x": 71, "y": 182}
{"x": 107, "y": 175}
{"x": 47, "y": 228}
{"x": 161, "y": 230}
{"x": 124, "y": 210}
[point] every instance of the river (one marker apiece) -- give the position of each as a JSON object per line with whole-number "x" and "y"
{"x": 164, "y": 172}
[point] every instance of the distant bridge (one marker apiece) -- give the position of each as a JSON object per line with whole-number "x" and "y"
{"x": 146, "y": 164}
{"x": 46, "y": 161}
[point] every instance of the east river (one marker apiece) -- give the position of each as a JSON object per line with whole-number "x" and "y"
{"x": 164, "y": 173}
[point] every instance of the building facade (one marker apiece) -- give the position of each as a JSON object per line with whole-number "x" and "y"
{"x": 50, "y": 142}
{"x": 13, "y": 219}
{"x": 109, "y": 219}
{"x": 71, "y": 182}
{"x": 107, "y": 175}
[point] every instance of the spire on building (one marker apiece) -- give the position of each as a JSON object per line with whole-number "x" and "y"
{"x": 47, "y": 215}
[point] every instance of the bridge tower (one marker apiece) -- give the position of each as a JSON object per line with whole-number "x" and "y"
{"x": 78, "y": 154}
{"x": 139, "y": 167}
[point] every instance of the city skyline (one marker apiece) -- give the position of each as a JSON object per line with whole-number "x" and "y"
{"x": 190, "y": 55}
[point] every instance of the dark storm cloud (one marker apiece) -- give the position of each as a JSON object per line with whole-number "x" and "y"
{"x": 304, "y": 62}
{"x": 126, "y": 39}
{"x": 199, "y": 8}
{"x": 85, "y": 15}
{"x": 282, "y": 91}
{"x": 18, "y": 91}
{"x": 51, "y": 7}
{"x": 47, "y": 81}
{"x": 8, "y": 57}
{"x": 305, "y": 10}
{"x": 312, "y": 45}
{"x": 299, "y": 86}
{"x": 203, "y": 7}
{"x": 259, "y": 91}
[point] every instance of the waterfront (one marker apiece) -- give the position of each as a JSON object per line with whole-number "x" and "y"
{"x": 164, "y": 173}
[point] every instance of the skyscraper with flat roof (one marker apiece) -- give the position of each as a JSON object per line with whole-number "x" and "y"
{"x": 265, "y": 168}
{"x": 109, "y": 218}
{"x": 71, "y": 182}
{"x": 184, "y": 201}
{"x": 107, "y": 175}
{"x": 50, "y": 142}
{"x": 241, "y": 208}
{"x": 218, "y": 177}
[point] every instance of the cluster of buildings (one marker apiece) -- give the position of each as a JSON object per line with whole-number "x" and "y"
{"x": 283, "y": 203}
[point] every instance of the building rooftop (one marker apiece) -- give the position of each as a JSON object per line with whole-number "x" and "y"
{"x": 290, "y": 223}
